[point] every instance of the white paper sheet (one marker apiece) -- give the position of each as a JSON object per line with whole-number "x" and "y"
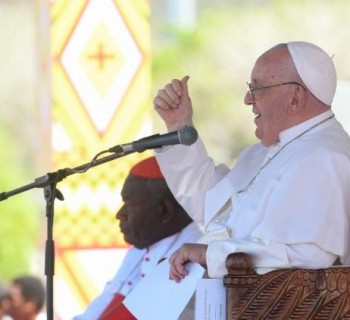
{"x": 210, "y": 300}
{"x": 156, "y": 297}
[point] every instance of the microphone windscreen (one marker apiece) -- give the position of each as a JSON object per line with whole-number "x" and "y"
{"x": 188, "y": 135}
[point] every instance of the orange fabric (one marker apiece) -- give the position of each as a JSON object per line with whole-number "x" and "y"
{"x": 147, "y": 168}
{"x": 116, "y": 310}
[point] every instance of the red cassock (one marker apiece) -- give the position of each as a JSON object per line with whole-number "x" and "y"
{"x": 116, "y": 310}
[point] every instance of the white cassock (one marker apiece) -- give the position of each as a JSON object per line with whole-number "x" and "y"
{"x": 136, "y": 264}
{"x": 296, "y": 211}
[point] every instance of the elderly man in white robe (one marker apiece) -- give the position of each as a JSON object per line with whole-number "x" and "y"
{"x": 286, "y": 201}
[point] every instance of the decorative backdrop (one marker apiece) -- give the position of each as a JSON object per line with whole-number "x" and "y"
{"x": 100, "y": 97}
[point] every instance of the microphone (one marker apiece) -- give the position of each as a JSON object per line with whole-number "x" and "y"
{"x": 186, "y": 136}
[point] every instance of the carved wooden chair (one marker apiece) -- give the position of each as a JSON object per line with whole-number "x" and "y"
{"x": 286, "y": 293}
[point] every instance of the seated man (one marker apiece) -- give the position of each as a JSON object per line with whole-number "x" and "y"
{"x": 27, "y": 296}
{"x": 286, "y": 200}
{"x": 155, "y": 224}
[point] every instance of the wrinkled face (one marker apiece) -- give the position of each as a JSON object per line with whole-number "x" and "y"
{"x": 270, "y": 105}
{"x": 140, "y": 216}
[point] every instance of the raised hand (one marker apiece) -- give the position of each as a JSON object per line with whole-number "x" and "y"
{"x": 173, "y": 104}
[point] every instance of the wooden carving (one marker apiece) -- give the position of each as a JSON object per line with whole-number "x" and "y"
{"x": 286, "y": 293}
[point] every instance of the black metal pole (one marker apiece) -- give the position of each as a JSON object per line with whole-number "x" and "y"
{"x": 50, "y": 194}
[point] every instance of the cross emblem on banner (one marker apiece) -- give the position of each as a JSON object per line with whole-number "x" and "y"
{"x": 101, "y": 56}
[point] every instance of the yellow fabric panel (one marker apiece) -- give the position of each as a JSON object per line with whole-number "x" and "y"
{"x": 100, "y": 92}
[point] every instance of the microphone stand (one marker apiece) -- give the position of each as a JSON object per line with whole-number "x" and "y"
{"x": 48, "y": 183}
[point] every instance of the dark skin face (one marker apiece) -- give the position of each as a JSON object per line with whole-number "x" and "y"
{"x": 145, "y": 218}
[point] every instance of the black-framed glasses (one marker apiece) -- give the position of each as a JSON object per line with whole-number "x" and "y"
{"x": 251, "y": 89}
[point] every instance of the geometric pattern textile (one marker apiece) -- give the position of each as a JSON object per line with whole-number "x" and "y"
{"x": 100, "y": 97}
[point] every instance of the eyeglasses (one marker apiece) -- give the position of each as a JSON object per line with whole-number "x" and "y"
{"x": 251, "y": 89}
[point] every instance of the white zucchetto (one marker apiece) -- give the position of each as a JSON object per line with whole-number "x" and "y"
{"x": 315, "y": 67}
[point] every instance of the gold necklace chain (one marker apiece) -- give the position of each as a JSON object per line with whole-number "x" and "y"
{"x": 245, "y": 189}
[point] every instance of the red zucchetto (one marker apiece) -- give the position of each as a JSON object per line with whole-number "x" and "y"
{"x": 147, "y": 168}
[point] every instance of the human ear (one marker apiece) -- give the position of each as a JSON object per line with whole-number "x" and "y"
{"x": 166, "y": 208}
{"x": 297, "y": 101}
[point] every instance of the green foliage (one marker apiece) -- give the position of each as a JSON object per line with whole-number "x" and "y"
{"x": 20, "y": 220}
{"x": 21, "y": 224}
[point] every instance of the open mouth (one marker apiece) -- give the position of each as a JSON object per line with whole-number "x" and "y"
{"x": 257, "y": 114}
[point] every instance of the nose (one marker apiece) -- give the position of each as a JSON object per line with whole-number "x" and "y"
{"x": 121, "y": 214}
{"x": 248, "y": 99}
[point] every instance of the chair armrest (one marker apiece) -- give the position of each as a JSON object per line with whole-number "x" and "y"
{"x": 293, "y": 293}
